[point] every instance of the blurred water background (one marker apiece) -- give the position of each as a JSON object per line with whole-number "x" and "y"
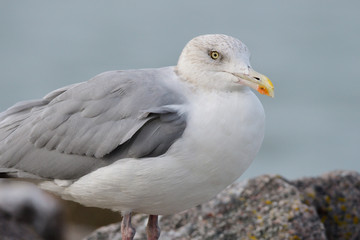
{"x": 309, "y": 49}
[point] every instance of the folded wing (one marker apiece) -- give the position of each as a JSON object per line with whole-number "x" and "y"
{"x": 79, "y": 128}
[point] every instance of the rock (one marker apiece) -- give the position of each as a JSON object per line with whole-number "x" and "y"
{"x": 26, "y": 205}
{"x": 336, "y": 198}
{"x": 266, "y": 207}
{"x": 10, "y": 229}
{"x": 110, "y": 232}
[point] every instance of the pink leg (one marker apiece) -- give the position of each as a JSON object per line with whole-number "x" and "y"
{"x": 153, "y": 230}
{"x": 127, "y": 231}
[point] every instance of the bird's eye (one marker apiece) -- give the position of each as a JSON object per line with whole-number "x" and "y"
{"x": 214, "y": 55}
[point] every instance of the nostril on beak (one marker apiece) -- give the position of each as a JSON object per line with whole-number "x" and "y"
{"x": 257, "y": 78}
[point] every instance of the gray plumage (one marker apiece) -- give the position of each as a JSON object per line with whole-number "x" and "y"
{"x": 79, "y": 128}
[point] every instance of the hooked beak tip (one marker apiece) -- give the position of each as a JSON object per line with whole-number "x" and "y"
{"x": 265, "y": 86}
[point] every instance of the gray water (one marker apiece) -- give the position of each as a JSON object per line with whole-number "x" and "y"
{"x": 309, "y": 49}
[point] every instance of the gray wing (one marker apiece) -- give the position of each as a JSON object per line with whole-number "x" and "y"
{"x": 79, "y": 128}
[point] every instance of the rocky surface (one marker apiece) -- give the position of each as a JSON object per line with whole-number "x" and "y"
{"x": 26, "y": 212}
{"x": 11, "y": 229}
{"x": 336, "y": 198}
{"x": 266, "y": 207}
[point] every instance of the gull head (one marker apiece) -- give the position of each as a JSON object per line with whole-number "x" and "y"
{"x": 220, "y": 62}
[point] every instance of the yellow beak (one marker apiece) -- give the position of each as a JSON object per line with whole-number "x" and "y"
{"x": 257, "y": 81}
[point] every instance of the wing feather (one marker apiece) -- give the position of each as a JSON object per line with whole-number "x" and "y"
{"x": 79, "y": 128}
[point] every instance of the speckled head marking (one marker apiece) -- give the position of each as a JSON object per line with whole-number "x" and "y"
{"x": 197, "y": 65}
{"x": 221, "y": 63}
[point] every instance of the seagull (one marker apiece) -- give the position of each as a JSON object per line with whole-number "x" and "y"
{"x": 154, "y": 141}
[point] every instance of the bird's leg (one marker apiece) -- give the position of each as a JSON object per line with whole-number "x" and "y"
{"x": 127, "y": 231}
{"x": 152, "y": 229}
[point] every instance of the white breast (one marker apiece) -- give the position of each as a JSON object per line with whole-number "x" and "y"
{"x": 226, "y": 133}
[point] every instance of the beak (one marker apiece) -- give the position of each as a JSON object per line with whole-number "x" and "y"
{"x": 257, "y": 81}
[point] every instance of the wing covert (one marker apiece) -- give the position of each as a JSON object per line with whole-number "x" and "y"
{"x": 95, "y": 117}
{"x": 79, "y": 128}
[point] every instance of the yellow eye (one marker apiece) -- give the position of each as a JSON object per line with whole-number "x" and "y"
{"x": 214, "y": 55}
